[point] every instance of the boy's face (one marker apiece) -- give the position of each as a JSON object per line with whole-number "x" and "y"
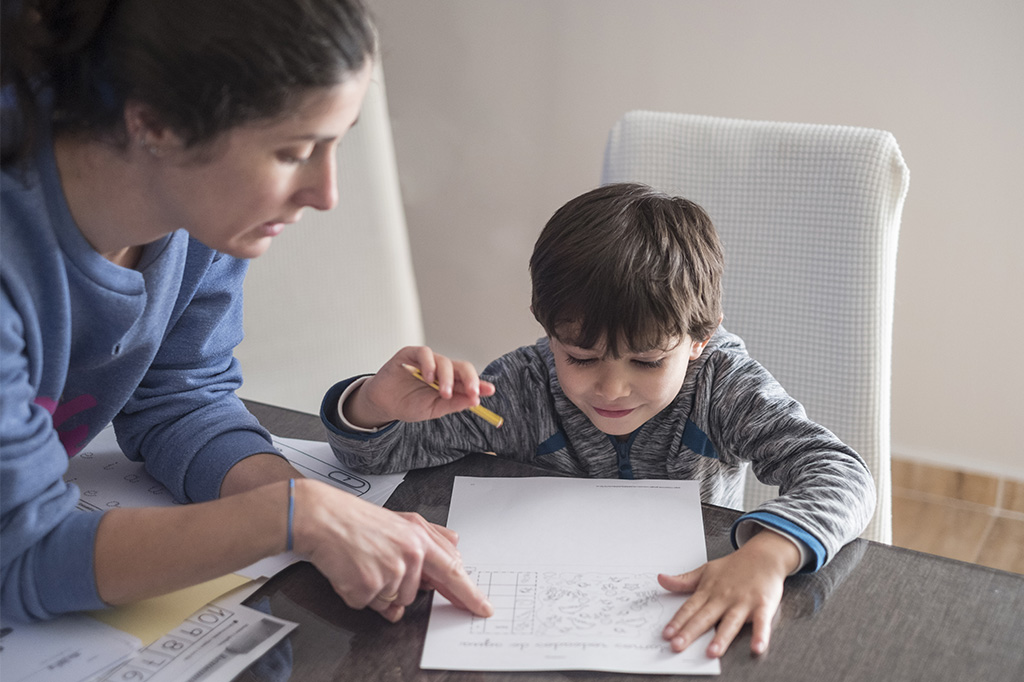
{"x": 620, "y": 394}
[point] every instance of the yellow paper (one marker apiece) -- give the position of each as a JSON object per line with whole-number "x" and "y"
{"x": 151, "y": 619}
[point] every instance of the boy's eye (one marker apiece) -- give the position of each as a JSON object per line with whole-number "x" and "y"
{"x": 580, "y": 361}
{"x": 650, "y": 364}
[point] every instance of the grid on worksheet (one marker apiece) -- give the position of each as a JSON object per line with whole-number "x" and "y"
{"x": 513, "y": 595}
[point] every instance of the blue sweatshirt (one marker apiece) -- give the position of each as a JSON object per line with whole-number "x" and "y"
{"x": 84, "y": 342}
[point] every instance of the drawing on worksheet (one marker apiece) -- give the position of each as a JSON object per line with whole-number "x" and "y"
{"x": 559, "y": 602}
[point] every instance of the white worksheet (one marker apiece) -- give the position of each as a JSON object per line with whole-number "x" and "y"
{"x": 72, "y": 648}
{"x": 107, "y": 480}
{"x": 571, "y": 568}
{"x": 214, "y": 644}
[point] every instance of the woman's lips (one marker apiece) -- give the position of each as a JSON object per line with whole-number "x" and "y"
{"x": 613, "y": 414}
{"x": 272, "y": 229}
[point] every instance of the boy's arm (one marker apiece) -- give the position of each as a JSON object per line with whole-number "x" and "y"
{"x": 403, "y": 445}
{"x": 393, "y": 394}
{"x": 826, "y": 492}
{"x": 396, "y": 446}
{"x": 826, "y": 499}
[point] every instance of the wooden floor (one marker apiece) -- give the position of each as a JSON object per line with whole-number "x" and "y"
{"x": 959, "y": 515}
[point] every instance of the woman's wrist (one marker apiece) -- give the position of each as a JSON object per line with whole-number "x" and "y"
{"x": 268, "y": 517}
{"x": 303, "y": 515}
{"x": 290, "y": 545}
{"x": 256, "y": 471}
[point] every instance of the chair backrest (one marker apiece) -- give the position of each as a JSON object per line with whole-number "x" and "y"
{"x": 335, "y": 294}
{"x": 809, "y": 218}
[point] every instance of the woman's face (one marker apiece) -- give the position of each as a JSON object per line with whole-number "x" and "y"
{"x": 257, "y": 178}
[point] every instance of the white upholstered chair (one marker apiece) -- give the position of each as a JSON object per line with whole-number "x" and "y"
{"x": 335, "y": 294}
{"x": 809, "y": 217}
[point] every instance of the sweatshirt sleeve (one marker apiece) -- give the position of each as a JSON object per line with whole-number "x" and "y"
{"x": 184, "y": 419}
{"x": 46, "y": 566}
{"x": 826, "y": 492}
{"x": 520, "y": 382}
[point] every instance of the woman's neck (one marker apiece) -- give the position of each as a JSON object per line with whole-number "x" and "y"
{"x": 103, "y": 187}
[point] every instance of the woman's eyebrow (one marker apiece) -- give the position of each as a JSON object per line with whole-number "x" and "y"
{"x": 313, "y": 137}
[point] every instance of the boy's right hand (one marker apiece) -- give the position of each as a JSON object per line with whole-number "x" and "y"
{"x": 395, "y": 394}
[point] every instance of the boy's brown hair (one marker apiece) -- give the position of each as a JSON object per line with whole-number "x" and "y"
{"x": 624, "y": 264}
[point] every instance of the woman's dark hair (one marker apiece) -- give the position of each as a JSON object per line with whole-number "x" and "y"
{"x": 624, "y": 264}
{"x": 204, "y": 66}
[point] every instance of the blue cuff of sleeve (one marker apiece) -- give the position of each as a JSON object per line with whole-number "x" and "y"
{"x": 212, "y": 463}
{"x": 818, "y": 553}
{"x": 329, "y": 412}
{"x": 59, "y": 577}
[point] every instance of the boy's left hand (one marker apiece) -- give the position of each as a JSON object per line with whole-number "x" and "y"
{"x": 738, "y": 588}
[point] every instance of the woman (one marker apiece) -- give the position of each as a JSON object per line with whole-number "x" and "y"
{"x": 150, "y": 147}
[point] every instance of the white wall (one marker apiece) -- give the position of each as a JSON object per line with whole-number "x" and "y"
{"x": 501, "y": 108}
{"x": 335, "y": 294}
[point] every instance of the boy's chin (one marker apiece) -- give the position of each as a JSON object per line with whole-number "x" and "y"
{"x": 613, "y": 430}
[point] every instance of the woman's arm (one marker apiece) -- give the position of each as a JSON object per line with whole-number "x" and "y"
{"x": 255, "y": 471}
{"x": 143, "y": 552}
{"x": 147, "y": 551}
{"x": 372, "y": 556}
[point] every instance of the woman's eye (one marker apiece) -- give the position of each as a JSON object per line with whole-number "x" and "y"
{"x": 294, "y": 157}
{"x": 580, "y": 361}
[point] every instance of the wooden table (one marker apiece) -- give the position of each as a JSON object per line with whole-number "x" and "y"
{"x": 875, "y": 613}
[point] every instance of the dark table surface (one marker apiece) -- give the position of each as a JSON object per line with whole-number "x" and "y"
{"x": 874, "y": 613}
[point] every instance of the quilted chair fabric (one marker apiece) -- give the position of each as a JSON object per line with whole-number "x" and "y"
{"x": 809, "y": 218}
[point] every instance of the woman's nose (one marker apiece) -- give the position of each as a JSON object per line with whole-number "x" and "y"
{"x": 320, "y": 183}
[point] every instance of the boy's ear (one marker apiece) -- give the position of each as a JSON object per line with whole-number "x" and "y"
{"x": 697, "y": 347}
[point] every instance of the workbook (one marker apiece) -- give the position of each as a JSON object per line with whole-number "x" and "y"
{"x": 570, "y": 566}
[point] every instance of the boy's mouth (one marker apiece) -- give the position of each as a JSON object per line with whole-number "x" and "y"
{"x": 613, "y": 414}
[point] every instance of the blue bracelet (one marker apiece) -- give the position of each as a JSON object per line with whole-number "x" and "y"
{"x": 291, "y": 511}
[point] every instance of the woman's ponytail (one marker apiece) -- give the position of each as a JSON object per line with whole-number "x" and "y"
{"x": 49, "y": 45}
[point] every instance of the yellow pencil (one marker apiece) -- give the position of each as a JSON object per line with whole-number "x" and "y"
{"x": 478, "y": 410}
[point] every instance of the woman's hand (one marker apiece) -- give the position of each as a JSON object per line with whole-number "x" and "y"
{"x": 394, "y": 394}
{"x": 377, "y": 558}
{"x": 742, "y": 587}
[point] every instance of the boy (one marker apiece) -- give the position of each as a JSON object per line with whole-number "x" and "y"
{"x": 635, "y": 379}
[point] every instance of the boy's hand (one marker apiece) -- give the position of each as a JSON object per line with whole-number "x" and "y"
{"x": 394, "y": 394}
{"x": 741, "y": 587}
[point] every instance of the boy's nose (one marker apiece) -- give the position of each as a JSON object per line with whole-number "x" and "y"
{"x": 612, "y": 385}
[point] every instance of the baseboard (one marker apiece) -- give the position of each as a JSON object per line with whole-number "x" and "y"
{"x": 959, "y": 462}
